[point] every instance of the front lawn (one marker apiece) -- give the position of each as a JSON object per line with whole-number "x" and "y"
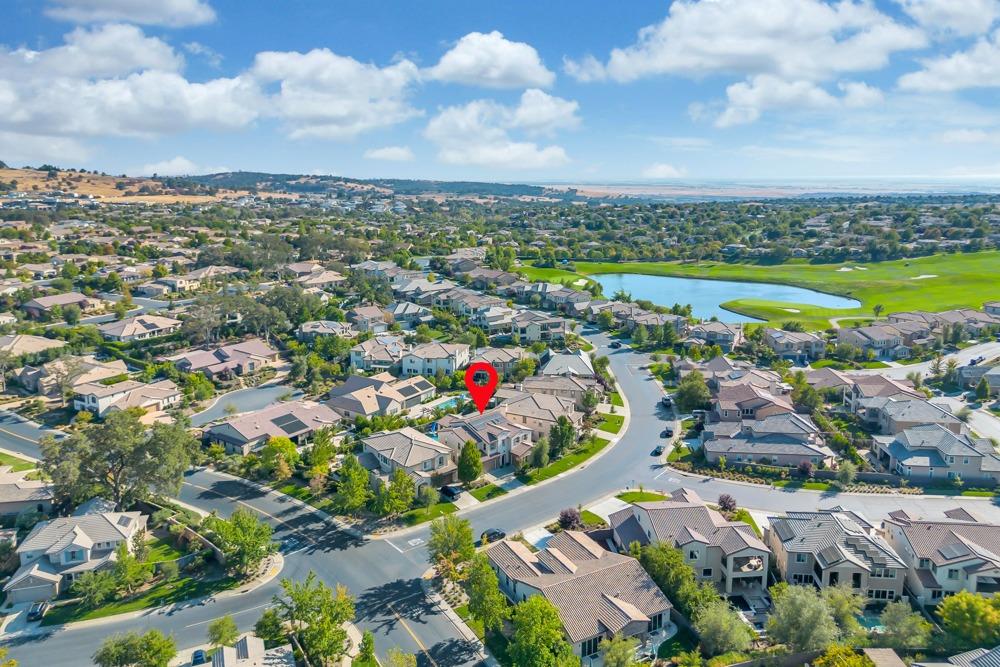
{"x": 164, "y": 593}
{"x": 744, "y": 515}
{"x": 474, "y": 624}
{"x": 616, "y": 399}
{"x": 589, "y": 448}
{"x": 640, "y": 496}
{"x": 795, "y": 484}
{"x": 681, "y": 453}
{"x": 422, "y": 514}
{"x": 591, "y": 520}
{"x": 611, "y": 423}
{"x": 487, "y": 492}
{"x": 15, "y": 462}
{"x": 162, "y": 550}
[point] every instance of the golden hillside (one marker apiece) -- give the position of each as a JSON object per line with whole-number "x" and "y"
{"x": 106, "y": 188}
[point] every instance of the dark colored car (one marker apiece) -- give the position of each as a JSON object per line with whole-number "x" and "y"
{"x": 451, "y": 492}
{"x": 491, "y": 535}
{"x": 615, "y": 344}
{"x": 37, "y": 610}
{"x": 658, "y": 451}
{"x": 199, "y": 658}
{"x": 667, "y": 433}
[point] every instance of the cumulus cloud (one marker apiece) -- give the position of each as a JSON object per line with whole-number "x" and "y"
{"x": 208, "y": 54}
{"x": 169, "y": 13}
{"x": 961, "y": 17}
{"x": 748, "y": 99}
{"x": 390, "y": 153}
{"x": 492, "y": 61}
{"x": 177, "y": 166}
{"x": 858, "y": 94}
{"x": 662, "y": 170}
{"x": 325, "y": 95}
{"x": 479, "y": 133}
{"x": 976, "y": 67}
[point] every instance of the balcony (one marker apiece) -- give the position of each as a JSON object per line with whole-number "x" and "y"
{"x": 746, "y": 565}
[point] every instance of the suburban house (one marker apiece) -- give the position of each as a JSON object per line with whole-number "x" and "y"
{"x": 296, "y": 420}
{"x": 45, "y": 379}
{"x": 139, "y": 327}
{"x": 56, "y": 552}
{"x": 421, "y": 457}
{"x": 737, "y": 402}
{"x": 381, "y": 353}
{"x": 945, "y": 556}
{"x": 796, "y": 346}
{"x": 242, "y": 358}
{"x": 429, "y": 359}
{"x": 540, "y": 412}
{"x": 410, "y": 315}
{"x": 977, "y": 657}
{"x": 785, "y": 439}
{"x": 835, "y": 546}
{"x": 18, "y": 493}
{"x": 727, "y": 553}
{"x": 369, "y": 318}
{"x": 100, "y": 399}
{"x": 872, "y": 386}
{"x": 894, "y": 415}
{"x": 970, "y": 377}
{"x": 567, "y": 363}
{"x": 309, "y": 331}
{"x": 572, "y": 387}
{"x": 503, "y": 359}
{"x": 176, "y": 284}
{"x": 42, "y": 306}
{"x": 992, "y": 308}
{"x": 249, "y": 651}
{"x": 323, "y": 279}
{"x": 531, "y": 326}
{"x": 500, "y": 441}
{"x": 884, "y": 341}
{"x": 381, "y": 394}
{"x": 932, "y": 452}
{"x": 598, "y": 593}
{"x": 726, "y": 336}
{"x": 495, "y": 320}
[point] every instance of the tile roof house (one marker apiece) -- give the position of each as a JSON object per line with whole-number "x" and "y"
{"x": 567, "y": 363}
{"x": 885, "y": 341}
{"x": 381, "y": 353}
{"x": 410, "y": 315}
{"x": 532, "y": 326}
{"x": 139, "y": 327}
{"x": 797, "y": 346}
{"x": 930, "y": 452}
{"x": 100, "y": 399}
{"x": 572, "y": 387}
{"x": 381, "y": 394}
{"x": 945, "y": 556}
{"x": 871, "y": 386}
{"x": 726, "y": 336}
{"x": 785, "y": 439}
{"x": 241, "y": 358}
{"x": 598, "y": 593}
{"x": 503, "y": 359}
{"x": 894, "y": 415}
{"x": 18, "y": 494}
{"x": 55, "y": 552}
{"x": 308, "y": 331}
{"x": 727, "y": 553}
{"x": 321, "y": 280}
{"x": 500, "y": 441}
{"x": 539, "y": 412}
{"x": 423, "y": 458}
{"x": 736, "y": 402}
{"x": 296, "y": 420}
{"x": 429, "y": 359}
{"x": 43, "y": 305}
{"x": 18, "y": 345}
{"x": 835, "y": 546}
{"x": 44, "y": 379}
{"x": 369, "y": 318}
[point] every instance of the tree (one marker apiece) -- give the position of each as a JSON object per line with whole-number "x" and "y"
{"x": 315, "y": 613}
{"x": 245, "y": 539}
{"x": 721, "y": 629}
{"x": 540, "y": 453}
{"x": 354, "y": 491}
{"x": 569, "y": 519}
{"x": 470, "y": 463}
{"x": 140, "y": 548}
{"x": 538, "y": 639}
{"x": 323, "y": 449}
{"x": 397, "y": 657}
{"x": 117, "y": 459}
{"x": 845, "y": 606}
{"x": 223, "y": 631}
{"x": 605, "y": 319}
{"x": 877, "y": 309}
{"x": 692, "y": 392}
{"x": 128, "y": 571}
{"x": 903, "y": 628}
{"x": 270, "y": 627}
{"x": 94, "y": 588}
{"x": 727, "y": 503}
{"x": 619, "y": 651}
{"x": 279, "y": 448}
{"x": 846, "y": 473}
{"x": 281, "y": 471}
{"x": 971, "y": 619}
{"x": 562, "y": 435}
{"x": 590, "y": 401}
{"x": 640, "y": 335}
{"x": 152, "y": 649}
{"x": 400, "y": 493}
{"x": 668, "y": 569}
{"x": 486, "y": 602}
{"x": 450, "y": 544}
{"x": 983, "y": 390}
{"x": 839, "y": 655}
{"x": 802, "y": 620}
{"x": 366, "y": 652}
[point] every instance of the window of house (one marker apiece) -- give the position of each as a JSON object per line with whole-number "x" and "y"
{"x": 692, "y": 555}
{"x": 952, "y": 573}
{"x": 706, "y": 572}
{"x": 924, "y": 563}
{"x": 589, "y": 647}
{"x": 937, "y": 594}
{"x": 800, "y": 558}
{"x": 655, "y": 623}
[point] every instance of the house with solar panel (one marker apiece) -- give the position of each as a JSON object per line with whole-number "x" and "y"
{"x": 139, "y": 327}
{"x": 945, "y": 556}
{"x": 296, "y": 420}
{"x": 836, "y": 546}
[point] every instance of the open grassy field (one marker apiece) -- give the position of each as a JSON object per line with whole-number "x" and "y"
{"x": 938, "y": 282}
{"x": 554, "y": 276}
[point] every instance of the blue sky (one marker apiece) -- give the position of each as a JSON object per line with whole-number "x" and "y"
{"x": 694, "y": 90}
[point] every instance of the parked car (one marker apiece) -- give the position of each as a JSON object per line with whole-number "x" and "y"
{"x": 491, "y": 535}
{"x": 451, "y": 492}
{"x": 199, "y": 658}
{"x": 658, "y": 450}
{"x": 667, "y": 433}
{"x": 615, "y": 344}
{"x": 666, "y": 401}
{"x": 37, "y": 611}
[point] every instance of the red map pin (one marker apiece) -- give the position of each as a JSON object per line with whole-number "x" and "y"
{"x": 481, "y": 393}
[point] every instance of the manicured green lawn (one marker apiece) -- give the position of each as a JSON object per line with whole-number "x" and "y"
{"x": 161, "y": 550}
{"x": 422, "y": 514}
{"x": 15, "y": 462}
{"x": 591, "y": 520}
{"x": 681, "y": 453}
{"x": 487, "y": 492}
{"x": 812, "y": 486}
{"x": 474, "y": 624}
{"x": 961, "y": 281}
{"x": 165, "y": 593}
{"x": 581, "y": 454}
{"x": 640, "y": 496}
{"x": 611, "y": 423}
{"x": 873, "y": 364}
{"x": 744, "y": 516}
{"x": 616, "y": 399}
{"x": 554, "y": 276}
{"x": 297, "y": 489}
{"x": 679, "y": 643}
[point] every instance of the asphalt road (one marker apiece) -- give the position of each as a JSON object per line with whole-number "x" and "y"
{"x": 990, "y": 350}
{"x": 383, "y": 574}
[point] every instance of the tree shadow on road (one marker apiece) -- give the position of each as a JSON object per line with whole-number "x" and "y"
{"x": 448, "y": 653}
{"x": 383, "y": 606}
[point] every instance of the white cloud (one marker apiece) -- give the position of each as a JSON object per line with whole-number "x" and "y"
{"x": 662, "y": 170}
{"x": 210, "y": 55}
{"x": 170, "y": 13}
{"x": 479, "y": 132}
{"x": 809, "y": 40}
{"x": 22, "y": 149}
{"x": 747, "y": 99}
{"x": 492, "y": 61}
{"x": 325, "y": 95}
{"x": 858, "y": 94}
{"x": 961, "y": 17}
{"x": 969, "y": 136}
{"x": 177, "y": 166}
{"x": 977, "y": 67}
{"x": 390, "y": 153}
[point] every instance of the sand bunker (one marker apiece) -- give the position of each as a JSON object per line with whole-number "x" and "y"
{"x": 791, "y": 310}
{"x": 844, "y": 268}
{"x": 924, "y": 276}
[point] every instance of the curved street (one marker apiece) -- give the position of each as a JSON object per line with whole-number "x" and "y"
{"x": 383, "y": 574}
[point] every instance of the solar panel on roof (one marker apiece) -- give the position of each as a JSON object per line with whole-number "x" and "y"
{"x": 955, "y": 550}
{"x": 783, "y": 530}
{"x": 289, "y": 423}
{"x": 407, "y": 391}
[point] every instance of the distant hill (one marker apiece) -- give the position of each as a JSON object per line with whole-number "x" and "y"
{"x": 49, "y": 179}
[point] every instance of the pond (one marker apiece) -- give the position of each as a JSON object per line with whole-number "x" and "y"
{"x": 706, "y": 295}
